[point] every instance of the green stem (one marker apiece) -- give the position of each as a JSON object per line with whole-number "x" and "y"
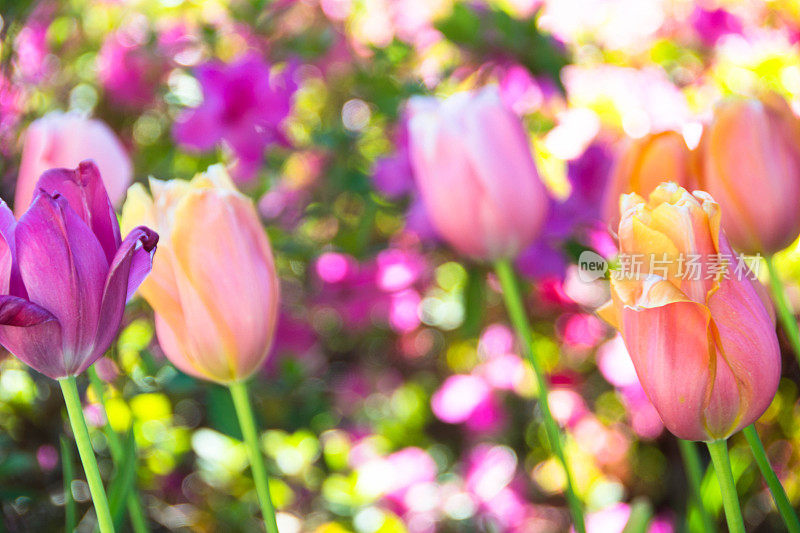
{"x": 247, "y": 422}
{"x": 135, "y": 510}
{"x": 70, "y": 508}
{"x": 785, "y": 313}
{"x": 730, "y": 500}
{"x": 774, "y": 484}
{"x": 694, "y": 473}
{"x": 516, "y": 311}
{"x": 73, "y": 401}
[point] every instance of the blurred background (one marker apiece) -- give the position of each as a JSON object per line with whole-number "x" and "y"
{"x": 395, "y": 398}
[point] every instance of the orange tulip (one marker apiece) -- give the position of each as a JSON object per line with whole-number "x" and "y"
{"x": 749, "y": 160}
{"x": 643, "y": 164}
{"x": 702, "y": 340}
{"x": 214, "y": 289}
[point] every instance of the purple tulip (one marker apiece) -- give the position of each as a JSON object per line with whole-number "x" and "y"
{"x": 65, "y": 273}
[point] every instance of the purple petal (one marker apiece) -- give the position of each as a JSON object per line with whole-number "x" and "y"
{"x": 64, "y": 271}
{"x": 131, "y": 265}
{"x": 33, "y": 335}
{"x": 84, "y": 190}
{"x": 7, "y": 223}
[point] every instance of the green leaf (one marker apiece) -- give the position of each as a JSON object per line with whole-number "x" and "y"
{"x": 124, "y": 479}
{"x": 639, "y": 519}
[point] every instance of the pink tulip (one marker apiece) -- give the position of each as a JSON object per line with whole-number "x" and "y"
{"x": 749, "y": 160}
{"x": 703, "y": 345}
{"x": 62, "y": 141}
{"x": 473, "y": 165}
{"x": 65, "y": 273}
{"x": 214, "y": 288}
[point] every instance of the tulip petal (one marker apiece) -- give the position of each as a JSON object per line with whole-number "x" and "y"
{"x": 518, "y": 210}
{"x": 10, "y": 280}
{"x": 130, "y": 266}
{"x": 609, "y": 312}
{"x": 7, "y": 253}
{"x": 205, "y": 231}
{"x": 745, "y": 335}
{"x": 84, "y": 190}
{"x": 64, "y": 270}
{"x": 173, "y": 342}
{"x": 672, "y": 354}
{"x": 142, "y": 252}
{"x": 159, "y": 288}
{"x": 33, "y": 335}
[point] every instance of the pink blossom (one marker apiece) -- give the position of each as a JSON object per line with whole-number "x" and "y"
{"x": 643, "y": 416}
{"x": 32, "y": 51}
{"x": 567, "y": 406}
{"x": 615, "y": 364}
{"x": 398, "y": 269}
{"x": 404, "y": 310}
{"x": 409, "y": 466}
{"x": 503, "y": 371}
{"x": 129, "y": 72}
{"x": 47, "y": 457}
{"x": 490, "y": 469}
{"x": 612, "y": 519}
{"x": 580, "y": 331}
{"x": 497, "y": 339}
{"x": 460, "y": 397}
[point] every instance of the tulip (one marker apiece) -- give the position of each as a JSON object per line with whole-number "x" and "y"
{"x": 703, "y": 343}
{"x": 643, "y": 164}
{"x": 66, "y": 274}
{"x": 63, "y": 140}
{"x": 213, "y": 288}
{"x": 473, "y": 165}
{"x": 214, "y": 291}
{"x": 748, "y": 159}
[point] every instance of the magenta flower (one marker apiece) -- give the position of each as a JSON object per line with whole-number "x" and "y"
{"x": 711, "y": 26}
{"x": 129, "y": 72}
{"x": 65, "y": 273}
{"x": 244, "y": 105}
{"x": 32, "y": 49}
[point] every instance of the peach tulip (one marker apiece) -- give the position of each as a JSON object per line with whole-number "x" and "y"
{"x": 213, "y": 286}
{"x": 473, "y": 165}
{"x": 60, "y": 140}
{"x": 643, "y": 164}
{"x": 749, "y": 160}
{"x": 702, "y": 341}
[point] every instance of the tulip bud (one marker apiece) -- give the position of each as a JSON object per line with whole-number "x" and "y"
{"x": 66, "y": 274}
{"x": 748, "y": 159}
{"x": 701, "y": 339}
{"x": 643, "y": 164}
{"x": 214, "y": 288}
{"x": 63, "y": 140}
{"x": 473, "y": 165}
